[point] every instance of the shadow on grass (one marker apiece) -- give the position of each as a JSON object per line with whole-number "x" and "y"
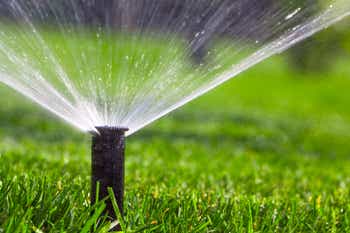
{"x": 23, "y": 123}
{"x": 252, "y": 132}
{"x": 243, "y": 130}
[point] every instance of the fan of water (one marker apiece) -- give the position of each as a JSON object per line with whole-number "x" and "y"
{"x": 128, "y": 62}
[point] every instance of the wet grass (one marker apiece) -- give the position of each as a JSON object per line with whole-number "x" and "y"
{"x": 267, "y": 152}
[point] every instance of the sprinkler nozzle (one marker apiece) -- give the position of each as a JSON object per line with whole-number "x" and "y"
{"x": 108, "y": 147}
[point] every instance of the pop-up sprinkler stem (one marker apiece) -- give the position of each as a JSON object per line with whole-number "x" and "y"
{"x": 108, "y": 147}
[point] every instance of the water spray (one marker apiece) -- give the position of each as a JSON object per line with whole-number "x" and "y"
{"x": 107, "y": 161}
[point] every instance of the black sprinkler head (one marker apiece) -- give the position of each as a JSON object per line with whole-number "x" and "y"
{"x": 108, "y": 147}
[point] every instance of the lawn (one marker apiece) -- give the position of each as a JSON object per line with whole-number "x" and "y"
{"x": 266, "y": 152}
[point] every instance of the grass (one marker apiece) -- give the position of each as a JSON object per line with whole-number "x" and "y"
{"x": 267, "y": 152}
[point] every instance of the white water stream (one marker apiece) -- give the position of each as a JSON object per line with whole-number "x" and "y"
{"x": 128, "y": 63}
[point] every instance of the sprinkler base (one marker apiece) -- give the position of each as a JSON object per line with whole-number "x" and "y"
{"x": 108, "y": 147}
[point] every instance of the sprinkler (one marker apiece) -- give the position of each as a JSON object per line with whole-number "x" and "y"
{"x": 108, "y": 146}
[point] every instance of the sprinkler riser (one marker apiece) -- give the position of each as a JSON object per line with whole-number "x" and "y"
{"x": 107, "y": 166}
